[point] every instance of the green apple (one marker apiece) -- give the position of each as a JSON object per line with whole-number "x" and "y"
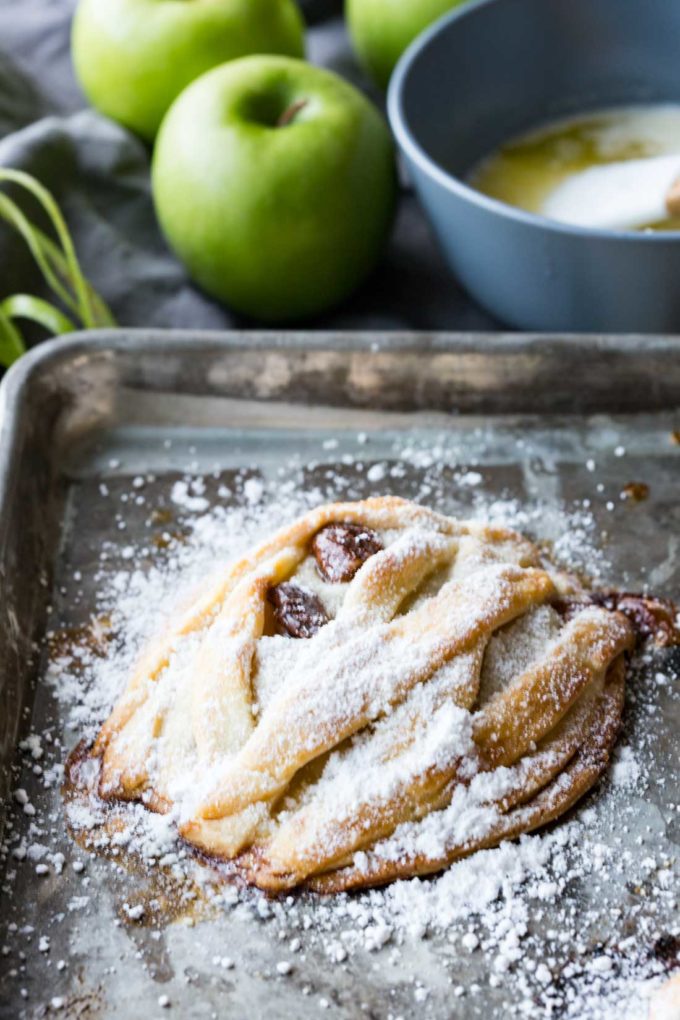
{"x": 134, "y": 57}
{"x": 274, "y": 182}
{"x": 382, "y": 29}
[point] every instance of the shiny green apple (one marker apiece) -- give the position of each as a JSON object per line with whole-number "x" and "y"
{"x": 274, "y": 182}
{"x": 382, "y": 29}
{"x": 134, "y": 57}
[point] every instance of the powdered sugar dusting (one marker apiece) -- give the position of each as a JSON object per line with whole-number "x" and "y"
{"x": 538, "y": 913}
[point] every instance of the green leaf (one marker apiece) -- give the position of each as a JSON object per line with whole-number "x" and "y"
{"x": 11, "y": 343}
{"x": 102, "y": 314}
{"x": 25, "y": 306}
{"x": 61, "y": 230}
{"x": 13, "y": 215}
{"x": 59, "y": 266}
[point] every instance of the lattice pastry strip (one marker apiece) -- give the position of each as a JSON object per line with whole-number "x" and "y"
{"x": 224, "y": 661}
{"x": 502, "y": 730}
{"x": 374, "y": 676}
{"x": 384, "y": 777}
{"x": 515, "y": 719}
{"x": 535, "y": 792}
{"x": 354, "y": 678}
{"x": 383, "y": 512}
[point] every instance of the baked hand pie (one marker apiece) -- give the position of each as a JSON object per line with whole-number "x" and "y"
{"x": 370, "y": 694}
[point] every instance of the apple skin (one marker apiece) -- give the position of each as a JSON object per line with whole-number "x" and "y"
{"x": 382, "y": 29}
{"x": 279, "y": 222}
{"x": 134, "y": 57}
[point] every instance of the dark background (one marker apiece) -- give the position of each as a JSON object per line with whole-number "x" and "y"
{"x": 99, "y": 174}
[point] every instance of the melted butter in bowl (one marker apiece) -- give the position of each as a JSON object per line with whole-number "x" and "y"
{"x": 528, "y": 169}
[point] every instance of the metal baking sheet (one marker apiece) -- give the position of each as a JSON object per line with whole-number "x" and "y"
{"x": 527, "y": 412}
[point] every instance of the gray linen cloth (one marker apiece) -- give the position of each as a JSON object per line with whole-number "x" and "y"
{"x": 100, "y": 175}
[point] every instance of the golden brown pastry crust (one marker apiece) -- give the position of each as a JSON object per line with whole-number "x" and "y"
{"x": 443, "y": 667}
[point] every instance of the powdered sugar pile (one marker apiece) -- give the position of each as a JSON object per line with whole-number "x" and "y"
{"x": 533, "y": 919}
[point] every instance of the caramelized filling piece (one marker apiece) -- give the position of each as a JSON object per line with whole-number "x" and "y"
{"x": 651, "y": 617}
{"x": 298, "y": 613}
{"x": 340, "y": 549}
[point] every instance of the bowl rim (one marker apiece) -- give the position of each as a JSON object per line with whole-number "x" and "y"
{"x": 414, "y": 150}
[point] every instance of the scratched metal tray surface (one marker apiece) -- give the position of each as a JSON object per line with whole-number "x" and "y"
{"x": 93, "y": 409}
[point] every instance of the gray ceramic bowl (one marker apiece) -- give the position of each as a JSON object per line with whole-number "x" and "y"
{"x": 500, "y": 67}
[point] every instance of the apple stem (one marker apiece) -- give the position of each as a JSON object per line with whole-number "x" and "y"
{"x": 288, "y": 115}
